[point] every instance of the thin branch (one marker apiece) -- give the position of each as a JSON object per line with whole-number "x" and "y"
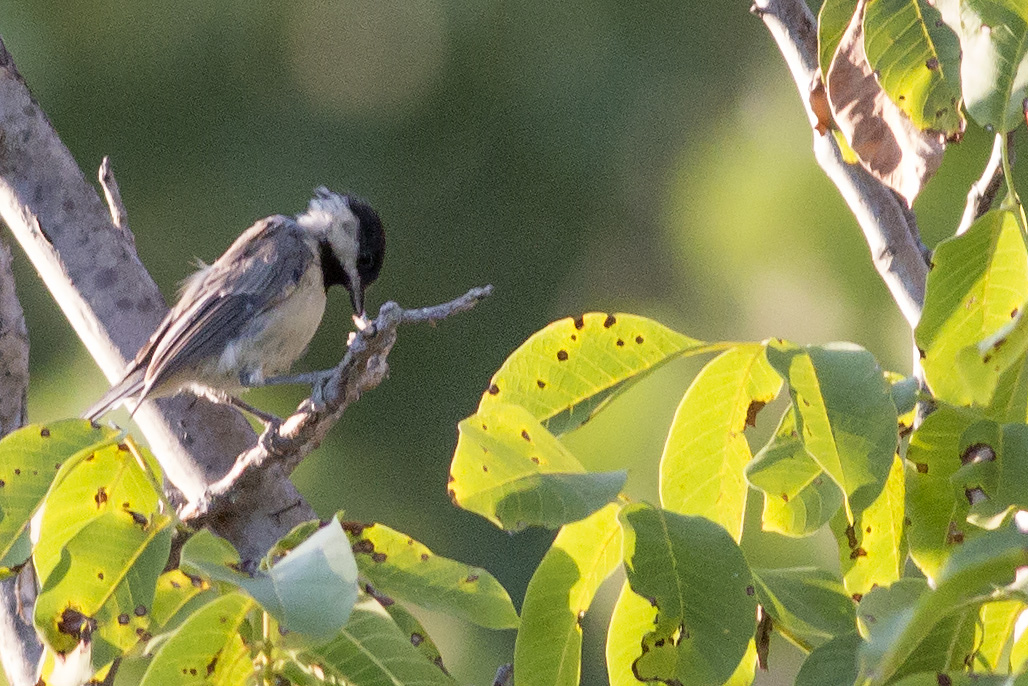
{"x": 983, "y": 191}
{"x": 891, "y": 232}
{"x": 119, "y": 217}
{"x": 283, "y": 446}
{"x": 91, "y": 268}
{"x": 20, "y": 648}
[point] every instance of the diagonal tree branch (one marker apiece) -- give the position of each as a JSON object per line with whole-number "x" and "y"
{"x": 282, "y": 447}
{"x": 20, "y": 648}
{"x": 889, "y": 229}
{"x": 91, "y": 268}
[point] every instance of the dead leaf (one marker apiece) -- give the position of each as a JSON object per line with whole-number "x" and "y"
{"x": 887, "y": 143}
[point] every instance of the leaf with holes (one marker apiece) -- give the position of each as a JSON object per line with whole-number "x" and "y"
{"x": 548, "y": 651}
{"x": 976, "y": 286}
{"x": 565, "y": 373}
{"x": 400, "y": 567}
{"x": 799, "y": 497}
{"x": 206, "y": 648}
{"x": 705, "y": 452}
{"x": 512, "y": 471}
{"x": 844, "y": 415}
{"x": 937, "y": 515}
{"x": 702, "y": 589}
{"x": 872, "y": 550}
{"x": 29, "y": 462}
{"x": 102, "y": 590}
{"x": 917, "y": 60}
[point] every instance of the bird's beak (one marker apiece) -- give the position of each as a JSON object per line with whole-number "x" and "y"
{"x": 357, "y": 295}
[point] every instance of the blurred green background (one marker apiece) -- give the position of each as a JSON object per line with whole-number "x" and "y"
{"x": 584, "y": 155}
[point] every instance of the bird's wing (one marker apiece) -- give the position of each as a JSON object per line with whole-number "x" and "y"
{"x": 259, "y": 270}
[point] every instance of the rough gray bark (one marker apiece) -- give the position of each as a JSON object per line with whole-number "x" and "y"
{"x": 20, "y": 648}
{"x": 91, "y": 268}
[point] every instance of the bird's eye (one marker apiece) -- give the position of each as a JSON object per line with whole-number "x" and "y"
{"x": 364, "y": 262}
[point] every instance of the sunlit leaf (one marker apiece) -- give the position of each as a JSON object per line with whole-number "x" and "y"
{"x": 372, "y": 651}
{"x": 701, "y": 586}
{"x": 565, "y": 373}
{"x": 953, "y": 678}
{"x": 512, "y": 471}
{"x": 799, "y": 497}
{"x": 917, "y": 60}
{"x": 970, "y": 577}
{"x": 890, "y": 146}
{"x": 807, "y": 604}
{"x": 701, "y": 469}
{"x": 844, "y": 415}
{"x": 177, "y": 596}
{"x": 404, "y": 569}
{"x": 206, "y": 648}
{"x": 994, "y": 64}
{"x": 632, "y": 619}
{"x": 102, "y": 590}
{"x": 977, "y": 284}
{"x": 981, "y": 366}
{"x": 548, "y": 651}
{"x": 872, "y": 550}
{"x": 29, "y": 461}
{"x": 935, "y": 512}
{"x": 995, "y": 637}
{"x": 409, "y": 625}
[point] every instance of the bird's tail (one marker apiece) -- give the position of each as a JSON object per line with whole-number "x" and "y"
{"x": 131, "y": 385}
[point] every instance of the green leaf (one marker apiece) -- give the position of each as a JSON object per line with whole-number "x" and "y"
{"x": 808, "y": 605}
{"x": 936, "y": 513}
{"x": 701, "y": 469}
{"x": 872, "y": 550}
{"x": 102, "y": 589}
{"x": 548, "y": 650}
{"x": 402, "y": 568}
{"x": 832, "y": 664}
{"x": 310, "y": 591}
{"x": 409, "y": 625}
{"x": 981, "y": 366}
{"x": 372, "y": 651}
{"x": 954, "y": 678}
{"x": 29, "y": 460}
{"x": 510, "y": 470}
{"x": 177, "y": 596}
{"x": 994, "y": 65}
{"x": 844, "y": 415}
{"x": 832, "y": 20}
{"x": 994, "y": 639}
{"x": 92, "y": 485}
{"x": 565, "y": 373}
{"x": 903, "y": 620}
{"x": 799, "y": 497}
{"x": 206, "y": 649}
{"x": 917, "y": 60}
{"x": 632, "y": 619}
{"x": 977, "y": 284}
{"x": 698, "y": 579}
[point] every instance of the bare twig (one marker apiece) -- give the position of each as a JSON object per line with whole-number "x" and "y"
{"x": 364, "y": 367}
{"x": 20, "y": 648}
{"x": 92, "y": 270}
{"x": 891, "y": 232}
{"x": 119, "y": 217}
{"x": 983, "y": 191}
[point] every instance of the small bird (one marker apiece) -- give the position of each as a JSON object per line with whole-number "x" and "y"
{"x": 250, "y": 315}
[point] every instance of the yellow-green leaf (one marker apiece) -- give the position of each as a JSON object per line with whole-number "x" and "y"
{"x": 548, "y": 651}
{"x": 509, "y": 469}
{"x": 701, "y": 469}
{"x": 565, "y": 373}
